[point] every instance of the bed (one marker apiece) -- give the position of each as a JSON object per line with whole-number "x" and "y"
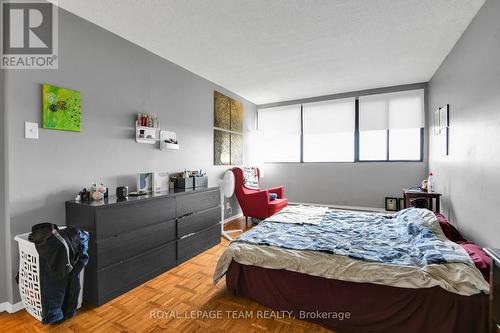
{"x": 359, "y": 271}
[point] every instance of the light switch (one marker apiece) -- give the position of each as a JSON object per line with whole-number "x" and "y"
{"x": 30, "y": 130}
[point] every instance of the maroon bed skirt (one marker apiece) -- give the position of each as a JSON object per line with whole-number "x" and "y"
{"x": 371, "y": 307}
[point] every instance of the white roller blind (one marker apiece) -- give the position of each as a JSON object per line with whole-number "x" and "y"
{"x": 285, "y": 120}
{"x": 406, "y": 110}
{"x": 279, "y": 130}
{"x": 329, "y": 117}
{"x": 392, "y": 111}
{"x": 329, "y": 131}
{"x": 373, "y": 113}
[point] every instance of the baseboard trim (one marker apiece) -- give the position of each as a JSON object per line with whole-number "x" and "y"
{"x": 356, "y": 208}
{"x": 11, "y": 308}
{"x": 234, "y": 217}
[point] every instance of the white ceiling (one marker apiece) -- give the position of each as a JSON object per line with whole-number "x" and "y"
{"x": 276, "y": 50}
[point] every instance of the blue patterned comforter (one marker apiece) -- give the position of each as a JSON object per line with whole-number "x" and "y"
{"x": 399, "y": 239}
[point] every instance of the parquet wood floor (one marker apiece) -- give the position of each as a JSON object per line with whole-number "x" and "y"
{"x": 152, "y": 306}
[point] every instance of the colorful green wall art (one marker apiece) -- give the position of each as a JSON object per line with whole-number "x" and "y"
{"x": 61, "y": 108}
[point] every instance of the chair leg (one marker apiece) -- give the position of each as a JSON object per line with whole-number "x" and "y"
{"x": 246, "y": 221}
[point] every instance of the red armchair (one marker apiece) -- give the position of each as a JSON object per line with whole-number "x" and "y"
{"x": 256, "y": 203}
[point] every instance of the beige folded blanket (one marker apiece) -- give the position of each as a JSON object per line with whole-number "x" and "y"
{"x": 299, "y": 214}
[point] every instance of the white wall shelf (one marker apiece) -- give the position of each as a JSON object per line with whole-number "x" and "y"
{"x": 148, "y": 135}
{"x": 166, "y": 138}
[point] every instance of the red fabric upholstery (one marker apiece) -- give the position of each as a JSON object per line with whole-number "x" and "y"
{"x": 256, "y": 203}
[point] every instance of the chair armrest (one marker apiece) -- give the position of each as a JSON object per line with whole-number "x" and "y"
{"x": 279, "y": 190}
{"x": 260, "y": 195}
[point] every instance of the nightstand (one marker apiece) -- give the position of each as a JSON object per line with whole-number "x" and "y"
{"x": 410, "y": 195}
{"x": 494, "y": 290}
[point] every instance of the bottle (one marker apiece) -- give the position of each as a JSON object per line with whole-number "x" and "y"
{"x": 430, "y": 183}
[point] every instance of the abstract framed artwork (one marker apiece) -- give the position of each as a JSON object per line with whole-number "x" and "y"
{"x": 437, "y": 127}
{"x": 236, "y": 149}
{"x": 443, "y": 116}
{"x": 442, "y": 127}
{"x": 222, "y": 147}
{"x": 445, "y": 144}
{"x": 60, "y": 108}
{"x": 228, "y": 130}
{"x": 222, "y": 111}
{"x": 236, "y": 116}
{"x": 441, "y": 119}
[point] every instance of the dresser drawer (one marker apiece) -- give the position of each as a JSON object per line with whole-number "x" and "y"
{"x": 197, "y": 221}
{"x": 191, "y": 245}
{"x": 116, "y": 219}
{"x": 123, "y": 276}
{"x": 125, "y": 245}
{"x": 195, "y": 202}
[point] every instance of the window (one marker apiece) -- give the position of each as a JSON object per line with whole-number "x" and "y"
{"x": 373, "y": 145}
{"x": 404, "y": 144}
{"x": 390, "y": 126}
{"x": 381, "y": 127}
{"x": 328, "y": 129}
{"x": 280, "y": 131}
{"x": 372, "y": 128}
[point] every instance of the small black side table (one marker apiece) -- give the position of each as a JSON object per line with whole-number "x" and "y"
{"x": 410, "y": 195}
{"x": 494, "y": 324}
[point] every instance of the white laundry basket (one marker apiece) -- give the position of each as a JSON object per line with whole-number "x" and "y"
{"x": 29, "y": 277}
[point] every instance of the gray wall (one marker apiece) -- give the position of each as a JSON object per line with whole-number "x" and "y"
{"x": 3, "y": 269}
{"x": 347, "y": 184}
{"x": 116, "y": 79}
{"x": 363, "y": 184}
{"x": 469, "y": 80}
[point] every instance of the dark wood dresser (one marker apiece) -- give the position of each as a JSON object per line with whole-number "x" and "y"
{"x": 411, "y": 195}
{"x": 494, "y": 290}
{"x": 134, "y": 240}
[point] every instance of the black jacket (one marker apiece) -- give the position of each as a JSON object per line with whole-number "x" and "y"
{"x": 60, "y": 249}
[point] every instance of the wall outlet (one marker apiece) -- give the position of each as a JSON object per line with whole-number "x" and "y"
{"x": 30, "y": 130}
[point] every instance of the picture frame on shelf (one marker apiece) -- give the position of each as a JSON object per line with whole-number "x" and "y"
{"x": 145, "y": 182}
{"x": 391, "y": 204}
{"x": 160, "y": 181}
{"x": 401, "y": 203}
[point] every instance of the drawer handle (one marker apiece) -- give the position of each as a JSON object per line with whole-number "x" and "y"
{"x": 185, "y": 236}
{"x": 185, "y": 215}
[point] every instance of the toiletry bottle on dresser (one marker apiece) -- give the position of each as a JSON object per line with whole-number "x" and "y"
{"x": 430, "y": 183}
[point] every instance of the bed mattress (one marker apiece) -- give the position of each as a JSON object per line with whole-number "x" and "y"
{"x": 460, "y": 277}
